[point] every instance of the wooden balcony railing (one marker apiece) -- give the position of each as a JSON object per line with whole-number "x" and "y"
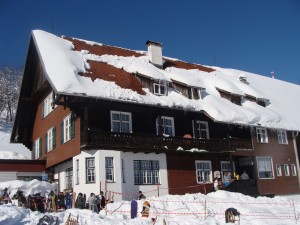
{"x": 97, "y": 139}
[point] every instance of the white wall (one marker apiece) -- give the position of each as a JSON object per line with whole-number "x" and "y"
{"x": 128, "y": 188}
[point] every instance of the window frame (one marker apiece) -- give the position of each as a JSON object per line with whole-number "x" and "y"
{"x": 47, "y": 105}
{"x": 282, "y": 137}
{"x": 198, "y": 130}
{"x": 88, "y": 168}
{"x": 164, "y": 126}
{"x": 260, "y": 158}
{"x": 120, "y": 121}
{"x": 278, "y": 170}
{"x": 286, "y": 169}
{"x": 262, "y": 135}
{"x": 67, "y": 128}
{"x": 202, "y": 172}
{"x": 294, "y": 170}
{"x": 38, "y": 148}
{"x": 69, "y": 178}
{"x": 160, "y": 86}
{"x": 146, "y": 172}
{"x": 51, "y": 139}
{"x": 123, "y": 171}
{"x": 109, "y": 169}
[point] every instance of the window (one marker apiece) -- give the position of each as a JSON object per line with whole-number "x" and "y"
{"x": 278, "y": 169}
{"x": 37, "y": 148}
{"x": 47, "y": 105}
{"x": 225, "y": 167}
{"x": 282, "y": 137}
{"x": 159, "y": 89}
{"x": 165, "y": 125}
{"x": 109, "y": 169}
{"x": 121, "y": 122}
{"x": 264, "y": 167}
{"x": 262, "y": 136}
{"x": 201, "y": 130}
{"x": 286, "y": 170}
{"x": 195, "y": 93}
{"x": 123, "y": 171}
{"x": 77, "y": 171}
{"x": 90, "y": 170}
{"x": 67, "y": 129}
{"x": 146, "y": 172}
{"x": 69, "y": 178}
{"x": 203, "y": 171}
{"x": 50, "y": 139}
{"x": 294, "y": 170}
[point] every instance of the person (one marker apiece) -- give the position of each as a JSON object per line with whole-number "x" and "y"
{"x": 80, "y": 202}
{"x": 92, "y": 200}
{"x": 244, "y": 176}
{"x": 141, "y": 196}
{"x": 68, "y": 200}
{"x": 53, "y": 201}
{"x": 216, "y": 184}
{"x": 226, "y": 179}
{"x": 6, "y": 197}
{"x": 102, "y": 202}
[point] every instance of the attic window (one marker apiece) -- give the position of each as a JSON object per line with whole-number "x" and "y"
{"x": 195, "y": 93}
{"x": 262, "y": 102}
{"x": 159, "y": 88}
{"x": 236, "y": 99}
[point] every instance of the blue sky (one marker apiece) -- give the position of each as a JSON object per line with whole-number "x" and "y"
{"x": 257, "y": 36}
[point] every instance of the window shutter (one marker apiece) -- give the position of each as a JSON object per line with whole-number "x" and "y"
{"x": 43, "y": 109}
{"x": 62, "y": 132}
{"x": 40, "y": 147}
{"x": 46, "y": 143}
{"x": 33, "y": 150}
{"x": 194, "y": 128}
{"x": 54, "y": 137}
{"x": 72, "y": 129}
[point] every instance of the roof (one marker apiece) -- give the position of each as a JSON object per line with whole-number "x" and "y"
{"x": 79, "y": 67}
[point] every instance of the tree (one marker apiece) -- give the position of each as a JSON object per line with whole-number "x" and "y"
{"x": 10, "y": 81}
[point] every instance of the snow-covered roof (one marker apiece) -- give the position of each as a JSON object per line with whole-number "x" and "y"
{"x": 74, "y": 66}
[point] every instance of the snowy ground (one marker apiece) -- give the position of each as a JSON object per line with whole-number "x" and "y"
{"x": 187, "y": 209}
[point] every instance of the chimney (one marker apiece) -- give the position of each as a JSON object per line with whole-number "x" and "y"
{"x": 155, "y": 53}
{"x": 273, "y": 75}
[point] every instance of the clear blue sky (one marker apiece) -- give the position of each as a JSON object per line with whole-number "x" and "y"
{"x": 258, "y": 36}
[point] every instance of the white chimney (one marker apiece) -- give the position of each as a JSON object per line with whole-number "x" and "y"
{"x": 155, "y": 53}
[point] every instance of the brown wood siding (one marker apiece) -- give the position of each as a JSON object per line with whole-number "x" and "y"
{"x": 182, "y": 172}
{"x": 281, "y": 154}
{"x": 182, "y": 89}
{"x": 64, "y": 151}
{"x": 22, "y": 167}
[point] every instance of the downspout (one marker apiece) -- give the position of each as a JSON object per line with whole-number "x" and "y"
{"x": 296, "y": 154}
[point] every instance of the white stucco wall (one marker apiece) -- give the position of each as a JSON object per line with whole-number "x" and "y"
{"x": 127, "y": 188}
{"x": 60, "y": 174}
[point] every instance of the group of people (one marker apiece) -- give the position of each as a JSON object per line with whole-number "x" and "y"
{"x": 219, "y": 184}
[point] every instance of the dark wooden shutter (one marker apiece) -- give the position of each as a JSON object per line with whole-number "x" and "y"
{"x": 46, "y": 142}
{"x": 72, "y": 129}
{"x": 194, "y": 128}
{"x": 62, "y": 132}
{"x": 40, "y": 147}
{"x": 54, "y": 137}
{"x": 43, "y": 109}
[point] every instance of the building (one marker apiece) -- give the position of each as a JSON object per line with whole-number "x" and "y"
{"x": 114, "y": 119}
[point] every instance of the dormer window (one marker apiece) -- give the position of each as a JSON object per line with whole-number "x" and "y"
{"x": 196, "y": 93}
{"x": 159, "y": 88}
{"x": 263, "y": 102}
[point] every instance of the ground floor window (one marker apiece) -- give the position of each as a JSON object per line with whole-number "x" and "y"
{"x": 264, "y": 167}
{"x": 69, "y": 178}
{"x": 225, "y": 168}
{"x": 286, "y": 170}
{"x": 90, "y": 170}
{"x": 146, "y": 172}
{"x": 109, "y": 169}
{"x": 203, "y": 171}
{"x": 278, "y": 169}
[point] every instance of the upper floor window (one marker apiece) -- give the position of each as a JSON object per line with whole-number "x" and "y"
{"x": 264, "y": 167}
{"x": 109, "y": 169}
{"x": 201, "y": 129}
{"x": 159, "y": 88}
{"x": 262, "y": 135}
{"x": 37, "y": 148}
{"x": 67, "y": 129}
{"x": 195, "y": 93}
{"x": 278, "y": 169}
{"x": 203, "y": 171}
{"x": 121, "y": 122}
{"x": 282, "y": 137}
{"x": 47, "y": 105}
{"x": 90, "y": 170}
{"x": 165, "y": 125}
{"x": 50, "y": 139}
{"x": 146, "y": 172}
{"x": 286, "y": 170}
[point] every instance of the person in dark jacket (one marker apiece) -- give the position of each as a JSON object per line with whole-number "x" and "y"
{"x": 102, "y": 201}
{"x": 141, "y": 196}
{"x": 80, "y": 202}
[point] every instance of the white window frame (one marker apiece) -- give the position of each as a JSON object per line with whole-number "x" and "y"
{"x": 69, "y": 178}
{"x": 225, "y": 168}
{"x": 262, "y": 135}
{"x": 47, "y": 105}
{"x": 261, "y": 163}
{"x": 146, "y": 172}
{"x": 278, "y": 170}
{"x": 120, "y": 121}
{"x": 199, "y": 129}
{"x": 67, "y": 128}
{"x": 50, "y": 137}
{"x": 37, "y": 148}
{"x": 203, "y": 171}
{"x": 286, "y": 170}
{"x": 294, "y": 170}
{"x": 109, "y": 169}
{"x": 282, "y": 137}
{"x": 164, "y": 125}
{"x": 90, "y": 170}
{"x": 161, "y": 88}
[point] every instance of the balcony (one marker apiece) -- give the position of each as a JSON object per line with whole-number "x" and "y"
{"x": 130, "y": 141}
